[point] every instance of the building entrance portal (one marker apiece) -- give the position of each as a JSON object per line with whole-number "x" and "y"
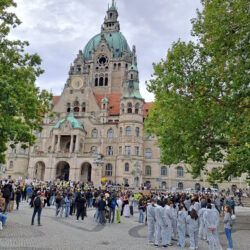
{"x": 62, "y": 171}
{"x": 85, "y": 175}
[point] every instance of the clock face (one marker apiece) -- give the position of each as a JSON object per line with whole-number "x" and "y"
{"x": 77, "y": 83}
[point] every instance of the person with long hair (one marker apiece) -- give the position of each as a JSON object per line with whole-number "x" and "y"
{"x": 193, "y": 229}
{"x": 228, "y": 223}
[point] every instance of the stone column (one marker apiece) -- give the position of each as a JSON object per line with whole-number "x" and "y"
{"x": 77, "y": 144}
{"x": 53, "y": 144}
{"x": 71, "y": 144}
{"x": 58, "y": 143}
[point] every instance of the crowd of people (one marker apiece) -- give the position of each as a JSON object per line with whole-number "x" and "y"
{"x": 170, "y": 216}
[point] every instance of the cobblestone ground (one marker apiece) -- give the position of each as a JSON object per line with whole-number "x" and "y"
{"x": 67, "y": 233}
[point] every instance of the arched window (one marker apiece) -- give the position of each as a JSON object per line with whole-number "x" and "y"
{"x": 76, "y": 109}
{"x": 164, "y": 171}
{"x": 101, "y": 81}
{"x": 110, "y": 133}
{"x": 94, "y": 133}
{"x": 122, "y": 108}
{"x": 108, "y": 170}
{"x": 180, "y": 171}
{"x": 137, "y": 106}
{"x": 83, "y": 107}
{"x": 137, "y": 131}
{"x": 148, "y": 153}
{"x": 128, "y": 131}
{"x": 106, "y": 81}
{"x": 76, "y": 106}
{"x": 96, "y": 80}
{"x": 129, "y": 107}
{"x": 126, "y": 167}
{"x": 119, "y": 66}
{"x": 131, "y": 76}
{"x": 163, "y": 185}
{"x": 180, "y": 185}
{"x": 120, "y": 131}
{"x": 109, "y": 150}
{"x": 148, "y": 171}
{"x": 68, "y": 107}
{"x": 115, "y": 66}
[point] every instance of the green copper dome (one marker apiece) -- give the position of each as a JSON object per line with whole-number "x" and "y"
{"x": 116, "y": 41}
{"x": 72, "y": 120}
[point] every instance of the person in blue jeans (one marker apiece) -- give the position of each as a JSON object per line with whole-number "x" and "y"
{"x": 141, "y": 208}
{"x": 228, "y": 223}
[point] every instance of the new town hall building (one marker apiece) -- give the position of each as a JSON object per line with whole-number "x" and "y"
{"x": 98, "y": 129}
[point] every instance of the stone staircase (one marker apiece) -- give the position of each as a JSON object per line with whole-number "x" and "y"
{"x": 246, "y": 201}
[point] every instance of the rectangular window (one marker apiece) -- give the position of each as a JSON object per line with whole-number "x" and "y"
{"x": 137, "y": 151}
{"x": 127, "y": 150}
{"x": 120, "y": 150}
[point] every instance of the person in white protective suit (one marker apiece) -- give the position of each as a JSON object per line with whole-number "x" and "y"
{"x": 181, "y": 225}
{"x": 193, "y": 229}
{"x": 160, "y": 232}
{"x": 151, "y": 220}
{"x": 202, "y": 228}
{"x": 168, "y": 214}
{"x": 211, "y": 221}
{"x": 174, "y": 211}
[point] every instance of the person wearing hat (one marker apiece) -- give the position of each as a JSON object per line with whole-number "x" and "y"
{"x": 37, "y": 204}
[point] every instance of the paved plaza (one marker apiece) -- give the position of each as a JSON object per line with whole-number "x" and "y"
{"x": 67, "y": 233}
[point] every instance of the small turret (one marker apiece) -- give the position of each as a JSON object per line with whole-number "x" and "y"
{"x": 111, "y": 23}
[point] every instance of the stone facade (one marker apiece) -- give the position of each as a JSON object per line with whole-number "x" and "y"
{"x": 100, "y": 113}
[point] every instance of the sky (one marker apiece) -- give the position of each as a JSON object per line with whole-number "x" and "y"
{"x": 58, "y": 29}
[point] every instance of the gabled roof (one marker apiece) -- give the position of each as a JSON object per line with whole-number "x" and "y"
{"x": 146, "y": 107}
{"x": 114, "y": 102}
{"x": 55, "y": 99}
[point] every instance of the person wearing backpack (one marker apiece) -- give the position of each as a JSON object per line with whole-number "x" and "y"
{"x": 37, "y": 204}
{"x": 112, "y": 204}
{"x": 7, "y": 190}
{"x": 228, "y": 223}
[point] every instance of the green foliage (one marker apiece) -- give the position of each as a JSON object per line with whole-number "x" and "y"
{"x": 22, "y": 104}
{"x": 202, "y": 93}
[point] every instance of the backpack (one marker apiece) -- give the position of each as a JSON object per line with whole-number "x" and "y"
{"x": 37, "y": 202}
{"x": 6, "y": 193}
{"x": 113, "y": 203}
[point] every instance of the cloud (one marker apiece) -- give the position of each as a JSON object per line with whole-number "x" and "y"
{"x": 57, "y": 29}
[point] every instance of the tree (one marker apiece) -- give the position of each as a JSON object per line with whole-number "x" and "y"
{"x": 202, "y": 93}
{"x": 22, "y": 104}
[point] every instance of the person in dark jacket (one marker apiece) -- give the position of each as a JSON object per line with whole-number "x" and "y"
{"x": 112, "y": 204}
{"x": 101, "y": 210}
{"x": 80, "y": 206}
{"x": 18, "y": 197}
{"x": 7, "y": 191}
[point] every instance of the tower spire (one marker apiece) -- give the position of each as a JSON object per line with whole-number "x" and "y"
{"x": 111, "y": 23}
